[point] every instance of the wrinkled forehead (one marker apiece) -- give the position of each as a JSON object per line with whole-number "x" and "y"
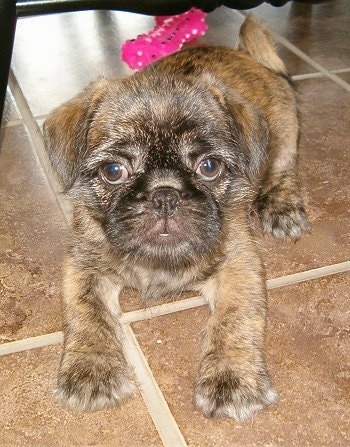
{"x": 160, "y": 120}
{"x": 159, "y": 109}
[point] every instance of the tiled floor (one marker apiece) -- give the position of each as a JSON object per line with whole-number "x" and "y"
{"x": 308, "y": 325}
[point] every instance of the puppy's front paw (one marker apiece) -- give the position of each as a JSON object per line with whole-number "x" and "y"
{"x": 223, "y": 393}
{"x": 91, "y": 382}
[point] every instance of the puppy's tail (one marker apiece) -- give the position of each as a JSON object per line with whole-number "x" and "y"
{"x": 255, "y": 40}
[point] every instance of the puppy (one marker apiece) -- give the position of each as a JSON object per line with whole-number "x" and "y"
{"x": 163, "y": 169}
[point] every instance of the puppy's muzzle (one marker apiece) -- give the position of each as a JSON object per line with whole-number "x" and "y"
{"x": 165, "y": 201}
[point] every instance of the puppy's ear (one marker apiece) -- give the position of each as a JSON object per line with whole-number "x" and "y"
{"x": 248, "y": 127}
{"x": 65, "y": 131}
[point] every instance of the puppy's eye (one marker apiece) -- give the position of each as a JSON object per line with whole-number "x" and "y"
{"x": 114, "y": 173}
{"x": 209, "y": 169}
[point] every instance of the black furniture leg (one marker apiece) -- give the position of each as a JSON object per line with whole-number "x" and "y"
{"x": 8, "y": 19}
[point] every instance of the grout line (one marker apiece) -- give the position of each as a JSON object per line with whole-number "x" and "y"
{"x": 301, "y": 77}
{"x": 191, "y": 303}
{"x": 12, "y": 123}
{"x": 41, "y": 117}
{"x": 162, "y": 309}
{"x": 308, "y": 275}
{"x": 311, "y": 62}
{"x": 41, "y": 341}
{"x": 176, "y": 306}
{"x": 341, "y": 70}
{"x": 38, "y": 144}
{"x": 285, "y": 42}
{"x": 153, "y": 397}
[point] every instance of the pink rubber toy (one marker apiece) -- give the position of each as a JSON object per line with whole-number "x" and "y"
{"x": 168, "y": 36}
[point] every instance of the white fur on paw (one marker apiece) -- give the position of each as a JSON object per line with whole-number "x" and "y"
{"x": 93, "y": 398}
{"x": 240, "y": 406}
{"x": 283, "y": 224}
{"x": 237, "y": 411}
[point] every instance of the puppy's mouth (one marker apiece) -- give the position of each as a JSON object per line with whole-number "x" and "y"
{"x": 165, "y": 230}
{"x": 163, "y": 225}
{"x": 169, "y": 229}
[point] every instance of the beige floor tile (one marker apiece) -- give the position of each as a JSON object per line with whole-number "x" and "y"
{"x": 30, "y": 418}
{"x": 308, "y": 357}
{"x": 32, "y": 235}
{"x": 345, "y": 76}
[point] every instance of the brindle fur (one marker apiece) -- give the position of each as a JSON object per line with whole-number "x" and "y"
{"x": 236, "y": 106}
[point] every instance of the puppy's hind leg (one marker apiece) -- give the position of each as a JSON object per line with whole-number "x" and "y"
{"x": 280, "y": 204}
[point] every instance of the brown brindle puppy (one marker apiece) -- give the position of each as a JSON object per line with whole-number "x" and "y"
{"x": 163, "y": 169}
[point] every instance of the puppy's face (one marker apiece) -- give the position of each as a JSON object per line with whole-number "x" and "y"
{"x": 159, "y": 162}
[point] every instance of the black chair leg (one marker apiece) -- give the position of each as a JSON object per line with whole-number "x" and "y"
{"x": 8, "y": 19}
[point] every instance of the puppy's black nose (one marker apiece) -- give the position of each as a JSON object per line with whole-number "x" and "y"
{"x": 165, "y": 201}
